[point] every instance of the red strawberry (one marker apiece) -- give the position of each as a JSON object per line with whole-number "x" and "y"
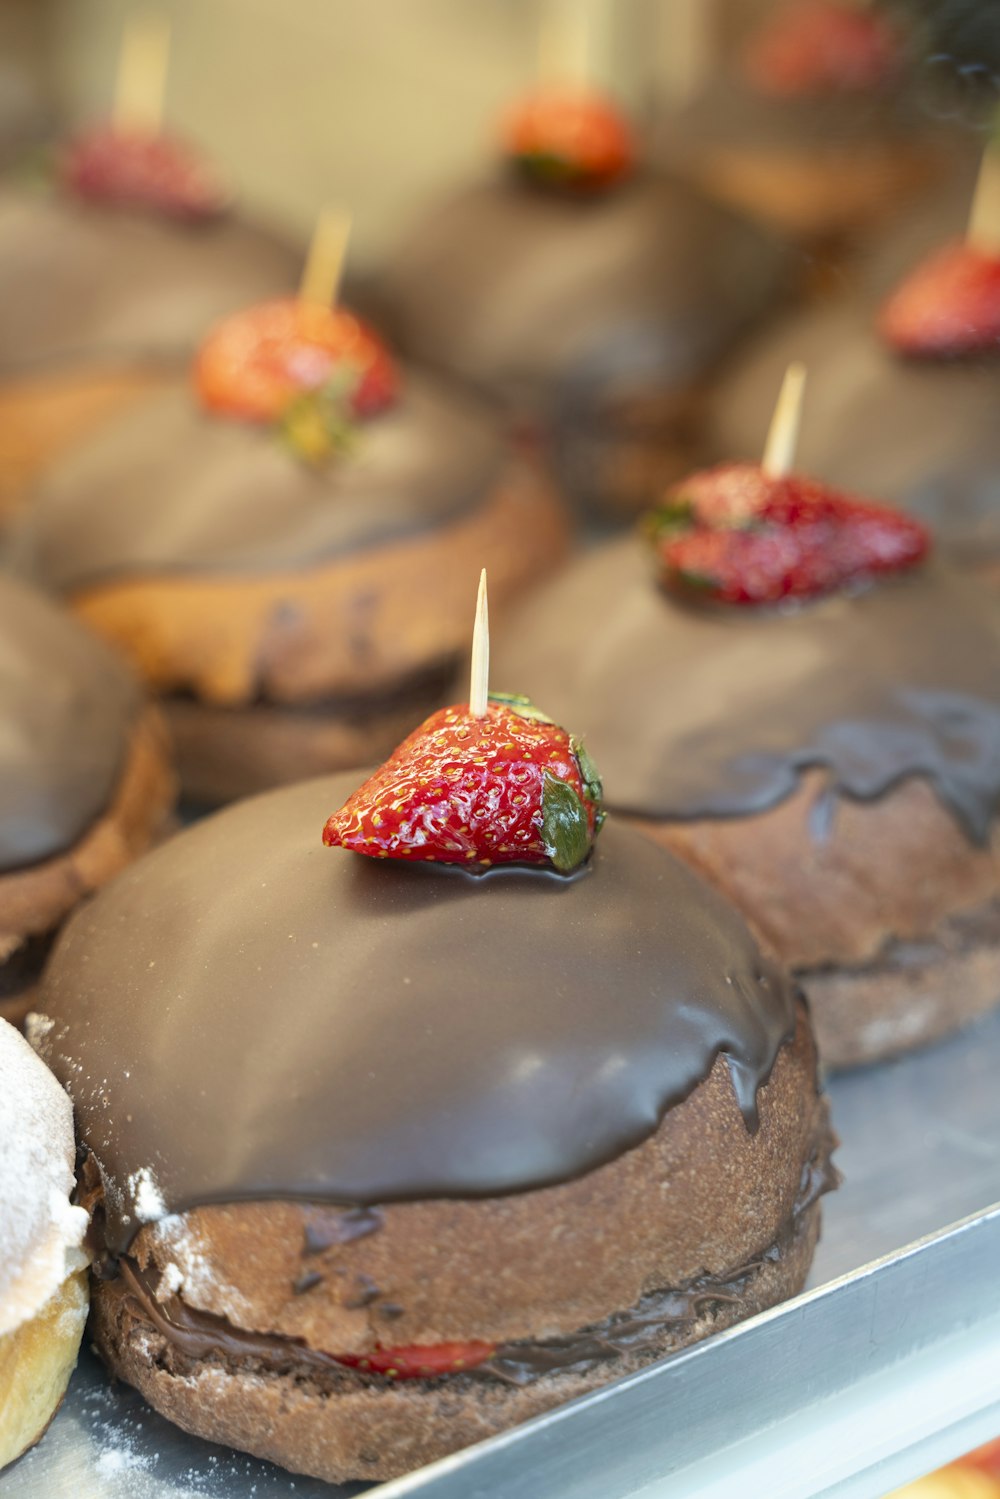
{"x": 512, "y": 787}
{"x": 139, "y": 169}
{"x": 420, "y": 1361}
{"x": 985, "y": 1459}
{"x": 569, "y": 140}
{"x": 735, "y": 535}
{"x": 252, "y": 365}
{"x": 947, "y": 307}
{"x": 822, "y": 46}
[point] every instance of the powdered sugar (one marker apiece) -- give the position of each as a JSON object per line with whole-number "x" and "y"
{"x": 41, "y": 1233}
{"x": 146, "y": 1196}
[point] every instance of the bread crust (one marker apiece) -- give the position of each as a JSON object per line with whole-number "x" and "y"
{"x": 833, "y": 888}
{"x": 701, "y": 1196}
{"x": 361, "y": 624}
{"x": 36, "y": 1361}
{"x": 34, "y": 900}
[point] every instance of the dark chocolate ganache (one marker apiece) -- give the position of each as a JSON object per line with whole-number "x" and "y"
{"x": 713, "y": 712}
{"x": 66, "y": 709}
{"x": 921, "y": 434}
{"x": 245, "y": 1014}
{"x": 174, "y": 489}
{"x": 98, "y": 284}
{"x": 539, "y": 297}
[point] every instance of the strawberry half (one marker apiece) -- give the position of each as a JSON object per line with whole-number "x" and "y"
{"x": 252, "y": 365}
{"x": 137, "y": 169}
{"x": 569, "y": 140}
{"x": 735, "y": 535}
{"x": 948, "y": 307}
{"x": 511, "y": 787}
{"x": 823, "y": 46}
{"x": 420, "y": 1361}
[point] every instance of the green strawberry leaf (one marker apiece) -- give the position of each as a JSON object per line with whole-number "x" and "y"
{"x": 593, "y": 788}
{"x": 521, "y": 705}
{"x": 699, "y": 582}
{"x": 318, "y": 425}
{"x": 565, "y": 826}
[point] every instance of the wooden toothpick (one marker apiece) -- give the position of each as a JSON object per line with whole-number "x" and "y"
{"x": 686, "y": 49}
{"x": 983, "y": 232}
{"x": 142, "y": 73}
{"x": 325, "y": 261}
{"x": 783, "y": 433}
{"x": 479, "y": 688}
{"x": 564, "y": 41}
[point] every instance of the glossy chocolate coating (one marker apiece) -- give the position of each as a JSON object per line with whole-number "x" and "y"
{"x": 173, "y": 489}
{"x": 97, "y": 285}
{"x": 68, "y": 707}
{"x": 695, "y": 711}
{"x": 247, "y": 1014}
{"x": 551, "y": 301}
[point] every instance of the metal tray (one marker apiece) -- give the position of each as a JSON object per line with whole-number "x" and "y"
{"x": 887, "y": 1366}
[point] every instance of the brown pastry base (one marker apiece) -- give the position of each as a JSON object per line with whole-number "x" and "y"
{"x": 887, "y": 913}
{"x": 536, "y": 1266}
{"x": 808, "y": 196}
{"x": 36, "y": 1361}
{"x": 42, "y": 417}
{"x": 35, "y": 900}
{"x": 366, "y": 623}
{"x": 224, "y": 753}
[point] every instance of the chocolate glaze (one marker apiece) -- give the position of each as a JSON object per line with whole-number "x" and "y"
{"x": 97, "y": 284}
{"x": 249, "y": 1015}
{"x": 545, "y": 300}
{"x": 713, "y": 712}
{"x": 173, "y": 489}
{"x": 67, "y": 709}
{"x": 201, "y": 1335}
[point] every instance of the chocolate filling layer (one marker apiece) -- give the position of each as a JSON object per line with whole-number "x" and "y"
{"x": 701, "y": 712}
{"x": 66, "y": 709}
{"x": 285, "y": 1021}
{"x": 199, "y": 1335}
{"x": 174, "y": 490}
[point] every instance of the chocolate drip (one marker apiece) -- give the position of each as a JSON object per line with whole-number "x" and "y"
{"x": 202, "y": 1335}
{"x": 284, "y": 1021}
{"x": 223, "y": 495}
{"x": 67, "y": 709}
{"x": 700, "y": 712}
{"x": 98, "y": 284}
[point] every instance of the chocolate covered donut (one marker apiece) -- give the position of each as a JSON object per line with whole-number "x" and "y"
{"x": 362, "y": 1105}
{"x": 85, "y": 782}
{"x": 834, "y": 768}
{"x": 109, "y": 301}
{"x": 594, "y": 318}
{"x": 296, "y": 617}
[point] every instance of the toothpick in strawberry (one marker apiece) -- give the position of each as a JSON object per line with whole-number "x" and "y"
{"x": 751, "y": 535}
{"x": 303, "y": 362}
{"x": 949, "y": 305}
{"x": 493, "y": 781}
{"x": 130, "y": 162}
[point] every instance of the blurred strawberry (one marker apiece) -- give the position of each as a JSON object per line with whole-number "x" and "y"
{"x": 823, "y": 46}
{"x": 253, "y": 364}
{"x": 569, "y": 139}
{"x": 418, "y": 1361}
{"x": 136, "y": 169}
{"x": 511, "y": 787}
{"x": 948, "y": 307}
{"x": 735, "y": 535}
